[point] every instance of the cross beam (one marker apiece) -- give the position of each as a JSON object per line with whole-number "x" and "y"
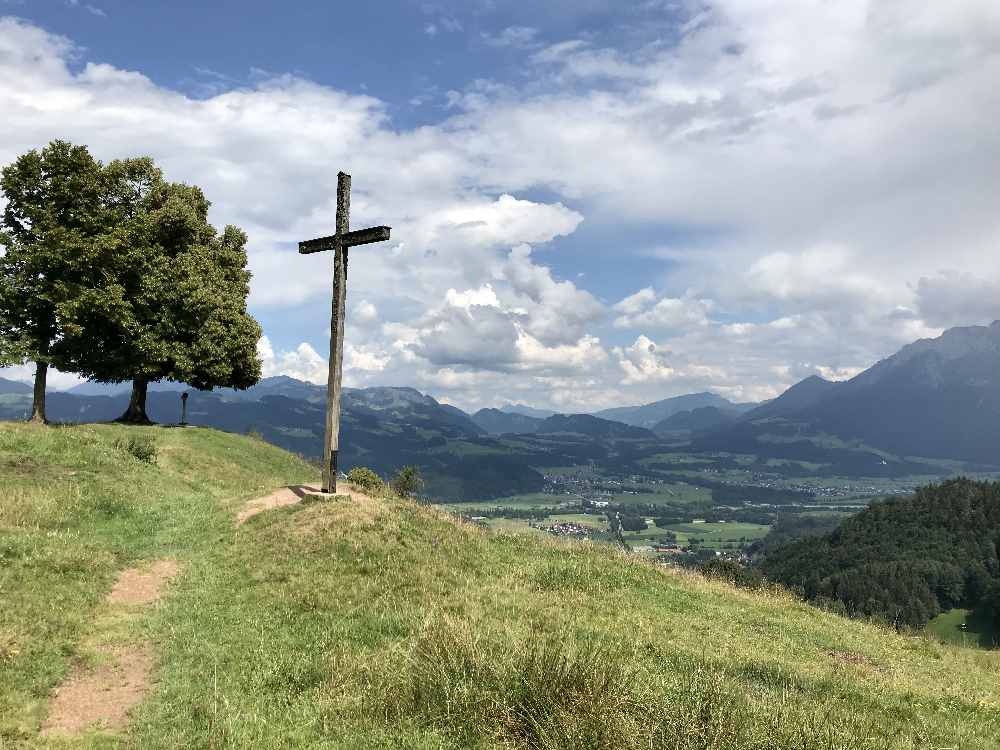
{"x": 339, "y": 243}
{"x": 350, "y": 239}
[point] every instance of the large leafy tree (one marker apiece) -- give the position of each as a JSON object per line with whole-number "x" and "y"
{"x": 53, "y": 215}
{"x": 116, "y": 274}
{"x": 177, "y": 307}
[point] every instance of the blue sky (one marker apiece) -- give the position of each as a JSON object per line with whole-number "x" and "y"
{"x": 593, "y": 202}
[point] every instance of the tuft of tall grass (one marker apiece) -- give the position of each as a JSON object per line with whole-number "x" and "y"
{"x": 567, "y": 692}
{"x": 140, "y": 447}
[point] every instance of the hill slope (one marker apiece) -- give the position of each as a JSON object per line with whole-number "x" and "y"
{"x": 586, "y": 424}
{"x": 647, "y": 415}
{"x": 906, "y": 559}
{"x": 378, "y": 623}
{"x": 801, "y": 396}
{"x": 702, "y": 418}
{"x": 8, "y": 387}
{"x": 497, "y": 422}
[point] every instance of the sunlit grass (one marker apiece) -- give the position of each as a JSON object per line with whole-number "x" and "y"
{"x": 382, "y": 623}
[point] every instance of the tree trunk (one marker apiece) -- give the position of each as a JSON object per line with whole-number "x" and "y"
{"x": 38, "y": 400}
{"x": 136, "y": 411}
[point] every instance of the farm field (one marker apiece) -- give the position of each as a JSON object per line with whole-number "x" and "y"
{"x": 947, "y": 627}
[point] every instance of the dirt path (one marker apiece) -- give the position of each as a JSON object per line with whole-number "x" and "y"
{"x": 143, "y": 586}
{"x": 101, "y": 697}
{"x": 277, "y": 499}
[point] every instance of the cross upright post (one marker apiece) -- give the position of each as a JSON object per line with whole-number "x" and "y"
{"x": 339, "y": 243}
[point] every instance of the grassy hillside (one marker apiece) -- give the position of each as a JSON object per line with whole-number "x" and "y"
{"x": 378, "y": 623}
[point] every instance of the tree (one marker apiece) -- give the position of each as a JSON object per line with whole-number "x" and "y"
{"x": 178, "y": 307}
{"x": 407, "y": 481}
{"x": 634, "y": 523}
{"x": 51, "y": 221}
{"x": 989, "y": 605}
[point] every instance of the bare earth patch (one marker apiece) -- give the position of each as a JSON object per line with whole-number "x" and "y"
{"x": 277, "y": 499}
{"x": 101, "y": 697}
{"x": 143, "y": 585}
{"x": 290, "y": 496}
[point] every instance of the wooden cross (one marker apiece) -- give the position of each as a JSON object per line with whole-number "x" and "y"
{"x": 339, "y": 243}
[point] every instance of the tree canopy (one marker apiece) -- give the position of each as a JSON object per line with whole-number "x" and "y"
{"x": 127, "y": 277}
{"x": 53, "y": 217}
{"x": 903, "y": 560}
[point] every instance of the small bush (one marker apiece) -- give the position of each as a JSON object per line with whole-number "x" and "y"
{"x": 366, "y": 479}
{"x": 407, "y": 481}
{"x": 253, "y": 434}
{"x": 141, "y": 447}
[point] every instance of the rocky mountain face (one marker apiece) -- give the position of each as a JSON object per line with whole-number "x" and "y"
{"x": 935, "y": 398}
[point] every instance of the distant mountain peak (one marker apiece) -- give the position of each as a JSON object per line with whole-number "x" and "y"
{"x": 13, "y": 386}
{"x": 649, "y": 415}
{"x": 528, "y": 411}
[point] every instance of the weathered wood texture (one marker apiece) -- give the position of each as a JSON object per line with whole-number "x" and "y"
{"x": 348, "y": 239}
{"x": 340, "y": 243}
{"x": 331, "y": 441}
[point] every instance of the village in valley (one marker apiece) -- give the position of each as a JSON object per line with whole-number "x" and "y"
{"x": 677, "y": 522}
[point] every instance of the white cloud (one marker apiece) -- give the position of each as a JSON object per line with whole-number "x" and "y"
{"x": 54, "y": 379}
{"x": 842, "y": 155}
{"x": 512, "y": 36}
{"x": 555, "y": 312}
{"x": 642, "y": 310}
{"x": 644, "y": 362}
{"x": 365, "y": 313}
{"x": 636, "y": 303}
{"x": 303, "y": 363}
{"x": 952, "y": 298}
{"x": 484, "y": 296}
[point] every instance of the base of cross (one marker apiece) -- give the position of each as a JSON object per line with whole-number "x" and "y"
{"x": 324, "y": 497}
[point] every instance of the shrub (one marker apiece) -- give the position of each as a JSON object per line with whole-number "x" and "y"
{"x": 407, "y": 481}
{"x": 366, "y": 479}
{"x": 140, "y": 447}
{"x": 633, "y": 523}
{"x": 253, "y": 434}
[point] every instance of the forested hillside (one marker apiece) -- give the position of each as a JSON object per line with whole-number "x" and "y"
{"x": 904, "y": 560}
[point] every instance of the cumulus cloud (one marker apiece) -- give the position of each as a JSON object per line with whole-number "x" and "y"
{"x": 303, "y": 363}
{"x": 365, "y": 313}
{"x": 953, "y": 298}
{"x": 829, "y": 159}
{"x": 555, "y": 312}
{"x": 54, "y": 379}
{"x": 645, "y": 362}
{"x": 643, "y": 310}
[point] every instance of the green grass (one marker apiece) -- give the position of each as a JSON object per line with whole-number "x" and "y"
{"x": 379, "y": 623}
{"x": 978, "y": 631}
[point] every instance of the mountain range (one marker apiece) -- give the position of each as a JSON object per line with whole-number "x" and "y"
{"x": 649, "y": 415}
{"x": 934, "y": 399}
